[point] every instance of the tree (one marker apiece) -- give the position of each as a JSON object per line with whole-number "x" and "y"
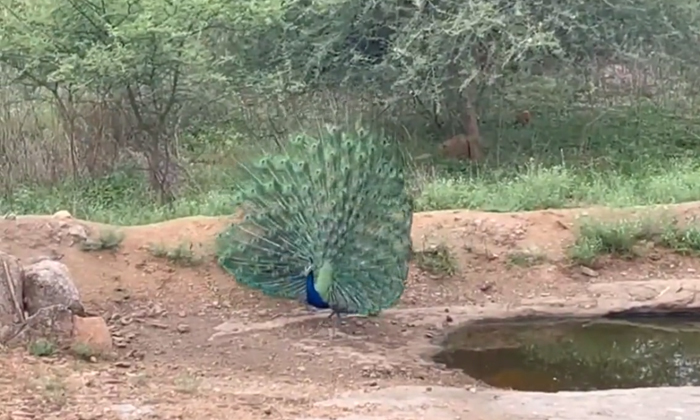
{"x": 146, "y": 58}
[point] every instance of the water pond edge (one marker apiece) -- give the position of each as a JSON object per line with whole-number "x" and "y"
{"x": 603, "y": 300}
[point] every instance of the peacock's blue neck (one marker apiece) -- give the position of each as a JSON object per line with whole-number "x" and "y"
{"x": 313, "y": 298}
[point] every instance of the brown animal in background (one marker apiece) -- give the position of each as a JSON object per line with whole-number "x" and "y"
{"x": 465, "y": 146}
{"x": 522, "y": 118}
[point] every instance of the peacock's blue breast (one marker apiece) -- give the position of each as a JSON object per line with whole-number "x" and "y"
{"x": 313, "y": 298}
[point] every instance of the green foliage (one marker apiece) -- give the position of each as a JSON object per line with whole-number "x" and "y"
{"x": 83, "y": 351}
{"x": 42, "y": 348}
{"x": 336, "y": 205}
{"x": 417, "y": 59}
{"x": 437, "y": 260}
{"x": 104, "y": 46}
{"x": 526, "y": 258}
{"x": 144, "y": 61}
{"x": 612, "y": 88}
{"x": 107, "y": 240}
{"x": 628, "y": 238}
{"x": 183, "y": 254}
{"x": 213, "y": 192}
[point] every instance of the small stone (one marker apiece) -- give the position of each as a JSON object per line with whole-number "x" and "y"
{"x": 93, "y": 332}
{"x": 486, "y": 287}
{"x": 155, "y": 311}
{"x": 52, "y": 254}
{"x": 183, "y": 328}
{"x": 122, "y": 364}
{"x": 78, "y": 232}
{"x": 131, "y": 412}
{"x": 62, "y": 214}
{"x": 120, "y": 344}
{"x": 589, "y": 272}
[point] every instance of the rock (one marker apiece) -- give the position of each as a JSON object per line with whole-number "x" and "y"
{"x": 131, "y": 412}
{"x": 58, "y": 324}
{"x": 11, "y": 292}
{"x": 51, "y": 254}
{"x": 92, "y": 332}
{"x": 53, "y": 323}
{"x": 48, "y": 283}
{"x": 589, "y": 272}
{"x": 447, "y": 403}
{"x": 62, "y": 214}
{"x": 6, "y": 333}
{"x": 78, "y": 232}
{"x": 663, "y": 403}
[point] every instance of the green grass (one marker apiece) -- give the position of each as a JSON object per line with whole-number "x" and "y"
{"x": 632, "y": 238}
{"x": 183, "y": 254}
{"x": 108, "y": 239}
{"x": 618, "y": 157}
{"x": 42, "y": 348}
{"x": 539, "y": 187}
{"x": 437, "y": 260}
{"x": 526, "y": 258}
{"x": 535, "y": 187}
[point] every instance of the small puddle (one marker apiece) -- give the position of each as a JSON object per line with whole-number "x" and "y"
{"x": 577, "y": 355}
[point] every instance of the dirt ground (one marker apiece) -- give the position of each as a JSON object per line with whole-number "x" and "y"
{"x": 271, "y": 359}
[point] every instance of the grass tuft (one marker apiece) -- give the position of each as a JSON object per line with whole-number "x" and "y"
{"x": 107, "y": 240}
{"x": 632, "y": 238}
{"x": 183, "y": 254}
{"x": 436, "y": 259}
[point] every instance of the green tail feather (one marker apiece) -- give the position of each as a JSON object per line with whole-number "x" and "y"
{"x": 337, "y": 205}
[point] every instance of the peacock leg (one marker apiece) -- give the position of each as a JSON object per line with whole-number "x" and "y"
{"x": 334, "y": 325}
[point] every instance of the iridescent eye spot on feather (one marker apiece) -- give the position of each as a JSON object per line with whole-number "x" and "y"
{"x": 333, "y": 198}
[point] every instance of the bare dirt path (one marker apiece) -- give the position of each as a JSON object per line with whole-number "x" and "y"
{"x": 192, "y": 344}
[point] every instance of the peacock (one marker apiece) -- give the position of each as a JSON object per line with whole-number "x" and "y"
{"x": 327, "y": 222}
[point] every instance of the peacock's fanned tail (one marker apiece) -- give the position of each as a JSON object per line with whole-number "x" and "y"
{"x": 337, "y": 204}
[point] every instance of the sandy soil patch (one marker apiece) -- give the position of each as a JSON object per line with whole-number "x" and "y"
{"x": 195, "y": 345}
